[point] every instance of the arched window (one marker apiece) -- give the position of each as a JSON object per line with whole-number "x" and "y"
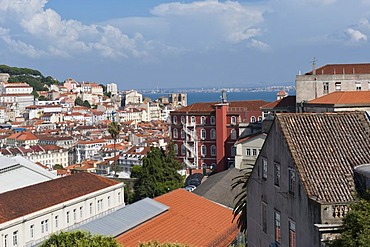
{"x": 233, "y": 120}
{"x": 213, "y": 134}
{"x": 253, "y": 119}
{"x": 183, "y": 149}
{"x": 182, "y": 119}
{"x": 213, "y": 120}
{"x": 175, "y": 120}
{"x": 203, "y": 134}
{"x": 203, "y": 120}
{"x": 176, "y": 149}
{"x": 233, "y": 134}
{"x": 259, "y": 119}
{"x": 213, "y": 150}
{"x": 182, "y": 134}
{"x": 203, "y": 150}
{"x": 175, "y": 134}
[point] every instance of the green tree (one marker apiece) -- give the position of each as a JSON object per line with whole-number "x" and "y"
{"x": 114, "y": 129}
{"x": 240, "y": 209}
{"x": 43, "y": 98}
{"x": 79, "y": 239}
{"x": 35, "y": 94}
{"x": 356, "y": 226}
{"x": 86, "y": 104}
{"x": 158, "y": 174}
{"x": 79, "y": 101}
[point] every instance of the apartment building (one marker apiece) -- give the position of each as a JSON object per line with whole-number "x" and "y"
{"x": 204, "y": 133}
{"x": 87, "y": 149}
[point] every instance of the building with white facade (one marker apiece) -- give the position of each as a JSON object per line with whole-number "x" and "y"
{"x": 30, "y": 215}
{"x": 248, "y": 149}
{"x": 112, "y": 88}
{"x": 87, "y": 149}
{"x": 132, "y": 97}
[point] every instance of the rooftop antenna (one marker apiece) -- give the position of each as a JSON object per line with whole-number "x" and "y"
{"x": 314, "y": 65}
{"x": 223, "y": 96}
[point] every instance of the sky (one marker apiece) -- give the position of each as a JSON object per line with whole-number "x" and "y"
{"x": 167, "y": 44}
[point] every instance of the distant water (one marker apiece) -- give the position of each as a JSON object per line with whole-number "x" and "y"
{"x": 231, "y": 96}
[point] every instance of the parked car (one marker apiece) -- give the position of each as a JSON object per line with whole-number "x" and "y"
{"x": 194, "y": 179}
{"x": 190, "y": 188}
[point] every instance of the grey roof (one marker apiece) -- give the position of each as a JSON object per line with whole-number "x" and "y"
{"x": 217, "y": 187}
{"x": 325, "y": 148}
{"x": 125, "y": 218}
{"x": 18, "y": 172}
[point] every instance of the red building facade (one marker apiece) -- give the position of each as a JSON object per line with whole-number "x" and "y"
{"x": 204, "y": 133}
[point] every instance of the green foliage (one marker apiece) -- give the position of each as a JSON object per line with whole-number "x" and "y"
{"x": 33, "y": 77}
{"x": 86, "y": 104}
{"x": 240, "y": 210}
{"x": 58, "y": 166}
{"x": 35, "y": 94}
{"x": 157, "y": 244}
{"x": 79, "y": 239}
{"x": 356, "y": 226}
{"x": 158, "y": 174}
{"x": 136, "y": 171}
{"x": 114, "y": 129}
{"x": 43, "y": 98}
{"x": 79, "y": 101}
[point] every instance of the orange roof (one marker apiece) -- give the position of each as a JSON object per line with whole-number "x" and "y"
{"x": 191, "y": 220}
{"x": 343, "y": 98}
{"x": 332, "y": 69}
{"x": 23, "y": 136}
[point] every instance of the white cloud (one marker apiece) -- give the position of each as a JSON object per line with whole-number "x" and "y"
{"x": 259, "y": 45}
{"x": 355, "y": 35}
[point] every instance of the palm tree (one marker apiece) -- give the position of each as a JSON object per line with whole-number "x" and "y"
{"x": 114, "y": 129}
{"x": 240, "y": 208}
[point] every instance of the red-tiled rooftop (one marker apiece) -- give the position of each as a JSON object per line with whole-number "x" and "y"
{"x": 251, "y": 105}
{"x": 285, "y": 102}
{"x": 191, "y": 220}
{"x": 343, "y": 98}
{"x": 332, "y": 69}
{"x": 20, "y": 202}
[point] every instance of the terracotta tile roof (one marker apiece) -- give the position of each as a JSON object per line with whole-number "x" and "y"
{"x": 325, "y": 147}
{"x": 344, "y": 98}
{"x": 23, "y": 136}
{"x": 332, "y": 69}
{"x": 20, "y": 202}
{"x": 190, "y": 220}
{"x": 289, "y": 101}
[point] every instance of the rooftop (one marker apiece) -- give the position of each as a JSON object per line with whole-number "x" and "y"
{"x": 333, "y": 69}
{"x": 344, "y": 98}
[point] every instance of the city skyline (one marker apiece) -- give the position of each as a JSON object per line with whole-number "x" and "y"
{"x": 149, "y": 44}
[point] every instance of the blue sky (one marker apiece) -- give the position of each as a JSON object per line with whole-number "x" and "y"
{"x": 166, "y": 44}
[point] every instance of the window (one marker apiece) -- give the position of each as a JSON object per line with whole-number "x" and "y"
{"x": 338, "y": 86}
{"x": 292, "y": 236}
{"x": 182, "y": 149}
{"x": 277, "y": 227}
{"x": 264, "y": 169}
{"x": 203, "y": 120}
{"x": 108, "y": 201}
{"x": 253, "y": 119}
{"x": 32, "y": 231}
{"x": 213, "y": 134}
{"x": 6, "y": 240}
{"x": 277, "y": 174}
{"x": 233, "y": 134}
{"x": 68, "y": 217}
{"x": 74, "y": 215}
{"x": 233, "y": 120}
{"x": 15, "y": 238}
{"x": 182, "y": 119}
{"x": 203, "y": 150}
{"x": 192, "y": 119}
{"x": 260, "y": 119}
{"x": 264, "y": 216}
{"x": 213, "y": 120}
{"x": 325, "y": 87}
{"x": 254, "y": 152}
{"x": 42, "y": 227}
{"x": 119, "y": 197}
{"x": 46, "y": 225}
{"x": 175, "y": 120}
{"x": 233, "y": 151}
{"x": 176, "y": 149}
{"x": 175, "y": 134}
{"x": 248, "y": 152}
{"x": 182, "y": 134}
{"x": 291, "y": 181}
{"x": 203, "y": 134}
{"x": 56, "y": 221}
{"x": 91, "y": 208}
{"x": 368, "y": 85}
{"x": 358, "y": 85}
{"x": 81, "y": 211}
{"x": 213, "y": 150}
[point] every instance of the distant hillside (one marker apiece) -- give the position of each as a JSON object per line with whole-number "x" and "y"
{"x": 33, "y": 77}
